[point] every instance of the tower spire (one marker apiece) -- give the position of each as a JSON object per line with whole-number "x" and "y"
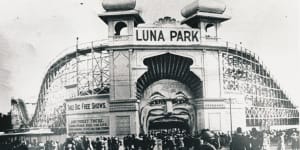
{"x": 121, "y": 17}
{"x": 207, "y": 15}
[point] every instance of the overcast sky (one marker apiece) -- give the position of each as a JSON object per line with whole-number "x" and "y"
{"x": 33, "y": 32}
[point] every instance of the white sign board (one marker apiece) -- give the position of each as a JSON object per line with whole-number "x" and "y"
{"x": 97, "y": 125}
{"x": 87, "y": 106}
{"x": 168, "y": 36}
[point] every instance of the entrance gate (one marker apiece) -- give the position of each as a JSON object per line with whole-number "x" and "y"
{"x": 166, "y": 92}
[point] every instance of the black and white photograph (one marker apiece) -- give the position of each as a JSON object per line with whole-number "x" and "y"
{"x": 149, "y": 74}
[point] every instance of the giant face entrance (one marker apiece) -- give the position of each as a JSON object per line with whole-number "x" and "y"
{"x": 166, "y": 92}
{"x": 167, "y": 107}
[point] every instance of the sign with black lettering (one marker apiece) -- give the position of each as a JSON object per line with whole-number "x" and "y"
{"x": 167, "y": 36}
{"x": 99, "y": 125}
{"x": 87, "y": 106}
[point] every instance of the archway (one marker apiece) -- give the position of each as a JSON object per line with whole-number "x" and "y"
{"x": 166, "y": 92}
{"x": 121, "y": 29}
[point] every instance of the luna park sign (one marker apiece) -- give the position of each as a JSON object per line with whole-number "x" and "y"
{"x": 167, "y": 36}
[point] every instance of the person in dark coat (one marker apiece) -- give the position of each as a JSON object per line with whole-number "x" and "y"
{"x": 114, "y": 143}
{"x": 239, "y": 142}
{"x": 23, "y": 146}
{"x": 145, "y": 143}
{"x": 126, "y": 142}
{"x": 98, "y": 144}
{"x": 196, "y": 143}
{"x": 170, "y": 144}
{"x": 208, "y": 141}
{"x": 109, "y": 143}
{"x": 255, "y": 140}
{"x": 187, "y": 140}
{"x": 295, "y": 141}
{"x": 136, "y": 143}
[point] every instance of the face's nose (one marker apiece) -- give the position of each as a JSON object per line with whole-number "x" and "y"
{"x": 169, "y": 106}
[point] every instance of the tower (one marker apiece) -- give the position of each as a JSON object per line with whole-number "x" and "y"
{"x": 121, "y": 18}
{"x": 207, "y": 15}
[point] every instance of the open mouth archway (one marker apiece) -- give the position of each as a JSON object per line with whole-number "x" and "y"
{"x": 168, "y": 125}
{"x": 166, "y": 92}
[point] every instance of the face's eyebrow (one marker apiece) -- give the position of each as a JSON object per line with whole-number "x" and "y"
{"x": 156, "y": 94}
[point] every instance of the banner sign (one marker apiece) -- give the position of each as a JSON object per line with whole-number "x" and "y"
{"x": 99, "y": 125}
{"x": 86, "y": 106}
{"x": 174, "y": 36}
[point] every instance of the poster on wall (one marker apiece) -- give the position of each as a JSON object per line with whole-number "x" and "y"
{"x": 99, "y": 125}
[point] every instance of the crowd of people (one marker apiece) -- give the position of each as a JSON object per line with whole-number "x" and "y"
{"x": 71, "y": 143}
{"x": 27, "y": 145}
{"x": 84, "y": 143}
{"x": 175, "y": 141}
{"x": 204, "y": 140}
{"x": 162, "y": 141}
{"x": 263, "y": 140}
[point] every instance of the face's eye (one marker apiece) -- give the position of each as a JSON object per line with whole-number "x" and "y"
{"x": 180, "y": 98}
{"x": 179, "y": 101}
{"x": 158, "y": 102}
{"x": 157, "y": 98}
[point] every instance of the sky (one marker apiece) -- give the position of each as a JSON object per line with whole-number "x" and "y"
{"x": 33, "y": 32}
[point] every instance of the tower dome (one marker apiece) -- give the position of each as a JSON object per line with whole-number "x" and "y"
{"x": 118, "y": 5}
{"x": 207, "y": 6}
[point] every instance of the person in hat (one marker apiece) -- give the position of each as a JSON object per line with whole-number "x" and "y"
{"x": 266, "y": 141}
{"x": 255, "y": 139}
{"x": 295, "y": 141}
{"x": 281, "y": 141}
{"x": 239, "y": 142}
{"x": 208, "y": 139}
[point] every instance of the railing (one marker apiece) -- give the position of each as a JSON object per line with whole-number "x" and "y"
{"x": 72, "y": 49}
